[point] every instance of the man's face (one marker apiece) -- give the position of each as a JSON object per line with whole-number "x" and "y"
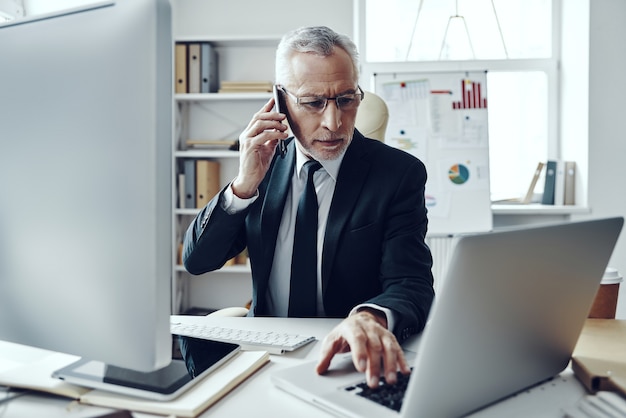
{"x": 325, "y": 135}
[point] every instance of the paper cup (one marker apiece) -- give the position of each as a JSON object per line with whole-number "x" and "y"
{"x": 605, "y": 303}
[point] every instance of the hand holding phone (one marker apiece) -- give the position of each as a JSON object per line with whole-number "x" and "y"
{"x": 282, "y": 147}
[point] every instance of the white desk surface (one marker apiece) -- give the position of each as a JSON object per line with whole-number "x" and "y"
{"x": 257, "y": 397}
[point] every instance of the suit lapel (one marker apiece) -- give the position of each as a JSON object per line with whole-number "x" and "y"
{"x": 350, "y": 182}
{"x": 272, "y": 211}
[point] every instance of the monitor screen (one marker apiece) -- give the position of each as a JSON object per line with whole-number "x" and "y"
{"x": 85, "y": 183}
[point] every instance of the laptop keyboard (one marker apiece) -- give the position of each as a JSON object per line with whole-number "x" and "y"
{"x": 385, "y": 394}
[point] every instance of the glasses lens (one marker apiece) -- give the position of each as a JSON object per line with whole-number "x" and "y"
{"x": 315, "y": 104}
{"x": 348, "y": 101}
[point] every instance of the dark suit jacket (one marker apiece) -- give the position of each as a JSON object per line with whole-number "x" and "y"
{"x": 374, "y": 249}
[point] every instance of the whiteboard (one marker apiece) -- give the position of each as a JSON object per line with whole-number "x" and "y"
{"x": 441, "y": 118}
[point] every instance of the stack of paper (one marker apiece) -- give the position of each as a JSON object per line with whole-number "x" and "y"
{"x": 31, "y": 368}
{"x": 245, "y": 87}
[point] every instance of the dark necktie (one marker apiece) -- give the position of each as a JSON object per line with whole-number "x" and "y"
{"x": 303, "y": 290}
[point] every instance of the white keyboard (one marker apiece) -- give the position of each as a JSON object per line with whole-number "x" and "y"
{"x": 601, "y": 405}
{"x": 270, "y": 341}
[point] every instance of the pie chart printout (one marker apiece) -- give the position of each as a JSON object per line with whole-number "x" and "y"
{"x": 458, "y": 174}
{"x": 442, "y": 119}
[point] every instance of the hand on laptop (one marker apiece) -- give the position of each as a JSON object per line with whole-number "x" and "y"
{"x": 372, "y": 345}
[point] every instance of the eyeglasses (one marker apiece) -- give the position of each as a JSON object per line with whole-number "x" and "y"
{"x": 317, "y": 104}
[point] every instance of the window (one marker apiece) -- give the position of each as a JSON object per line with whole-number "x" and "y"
{"x": 516, "y": 41}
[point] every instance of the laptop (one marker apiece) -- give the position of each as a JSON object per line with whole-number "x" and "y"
{"x": 507, "y": 317}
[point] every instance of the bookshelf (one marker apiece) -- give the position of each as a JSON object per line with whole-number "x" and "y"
{"x": 211, "y": 117}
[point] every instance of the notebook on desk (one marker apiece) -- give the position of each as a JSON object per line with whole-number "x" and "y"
{"x": 507, "y": 317}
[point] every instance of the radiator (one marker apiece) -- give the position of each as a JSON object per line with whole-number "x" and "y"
{"x": 441, "y": 248}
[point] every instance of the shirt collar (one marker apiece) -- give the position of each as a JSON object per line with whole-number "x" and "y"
{"x": 330, "y": 166}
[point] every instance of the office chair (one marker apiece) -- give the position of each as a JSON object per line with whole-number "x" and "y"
{"x": 372, "y": 116}
{"x": 371, "y": 120}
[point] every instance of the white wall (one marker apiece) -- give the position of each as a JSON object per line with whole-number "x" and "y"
{"x": 605, "y": 111}
{"x": 575, "y": 91}
{"x": 251, "y": 17}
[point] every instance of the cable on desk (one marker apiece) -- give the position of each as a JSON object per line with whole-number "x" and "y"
{"x": 16, "y": 394}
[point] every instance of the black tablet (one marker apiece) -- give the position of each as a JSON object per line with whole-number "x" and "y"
{"x": 192, "y": 360}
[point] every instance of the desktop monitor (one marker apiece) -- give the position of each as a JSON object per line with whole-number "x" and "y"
{"x": 85, "y": 183}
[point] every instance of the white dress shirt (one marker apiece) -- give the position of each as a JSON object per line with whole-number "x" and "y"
{"x": 279, "y": 281}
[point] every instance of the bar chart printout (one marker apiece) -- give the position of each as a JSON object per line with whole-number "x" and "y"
{"x": 441, "y": 118}
{"x": 471, "y": 96}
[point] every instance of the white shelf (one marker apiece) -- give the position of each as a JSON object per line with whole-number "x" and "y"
{"x": 189, "y": 212}
{"x": 206, "y": 153}
{"x": 236, "y": 269}
{"x": 233, "y": 41}
{"x": 206, "y": 97}
{"x": 537, "y": 209}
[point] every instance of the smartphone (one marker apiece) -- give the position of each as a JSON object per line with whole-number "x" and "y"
{"x": 282, "y": 147}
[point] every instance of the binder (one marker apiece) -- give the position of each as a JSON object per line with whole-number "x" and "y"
{"x": 193, "y": 63}
{"x": 559, "y": 183}
{"x": 549, "y": 188}
{"x": 180, "y": 68}
{"x": 207, "y": 181}
{"x": 208, "y": 68}
{"x": 181, "y": 191}
{"x": 569, "y": 193}
{"x": 189, "y": 167}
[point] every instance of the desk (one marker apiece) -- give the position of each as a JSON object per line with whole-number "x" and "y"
{"x": 258, "y": 398}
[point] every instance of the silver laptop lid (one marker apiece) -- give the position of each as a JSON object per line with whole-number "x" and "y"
{"x": 508, "y": 314}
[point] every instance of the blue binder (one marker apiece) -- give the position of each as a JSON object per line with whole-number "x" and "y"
{"x": 550, "y": 184}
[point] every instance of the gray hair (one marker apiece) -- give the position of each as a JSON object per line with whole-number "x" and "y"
{"x": 318, "y": 40}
